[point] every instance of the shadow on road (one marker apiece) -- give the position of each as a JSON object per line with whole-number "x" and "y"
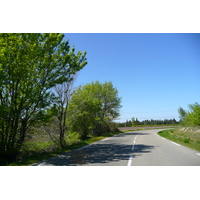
{"x": 131, "y": 133}
{"x": 98, "y": 154}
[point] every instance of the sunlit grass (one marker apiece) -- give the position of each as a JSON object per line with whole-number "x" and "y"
{"x": 189, "y": 137}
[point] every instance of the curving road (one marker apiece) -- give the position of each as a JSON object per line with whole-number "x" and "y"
{"x": 138, "y": 148}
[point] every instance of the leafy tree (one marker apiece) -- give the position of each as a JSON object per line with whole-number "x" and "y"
{"x": 182, "y": 114}
{"x": 92, "y": 107}
{"x": 30, "y": 65}
{"x": 133, "y": 121}
{"x": 137, "y": 121}
{"x": 193, "y": 116}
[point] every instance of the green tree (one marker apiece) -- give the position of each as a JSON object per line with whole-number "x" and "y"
{"x": 93, "y": 107}
{"x": 30, "y": 65}
{"x": 133, "y": 121}
{"x": 193, "y": 116}
{"x": 182, "y": 114}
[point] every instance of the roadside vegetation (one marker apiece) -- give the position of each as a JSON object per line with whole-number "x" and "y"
{"x": 187, "y": 136}
{"x": 189, "y": 132}
{"x": 190, "y": 117}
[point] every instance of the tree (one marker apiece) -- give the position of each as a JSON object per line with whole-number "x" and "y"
{"x": 63, "y": 92}
{"x": 182, "y": 114}
{"x": 193, "y": 116}
{"x": 133, "y": 121}
{"x": 92, "y": 107}
{"x": 30, "y": 65}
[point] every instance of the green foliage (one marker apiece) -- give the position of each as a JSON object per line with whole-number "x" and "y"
{"x": 30, "y": 65}
{"x": 133, "y": 121}
{"x": 187, "y": 140}
{"x": 192, "y": 117}
{"x": 93, "y": 107}
{"x": 182, "y": 114}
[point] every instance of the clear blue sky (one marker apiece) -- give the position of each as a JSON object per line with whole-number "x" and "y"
{"x": 154, "y": 73}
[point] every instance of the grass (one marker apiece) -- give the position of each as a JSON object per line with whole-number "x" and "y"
{"x": 189, "y": 137}
{"x": 36, "y": 151}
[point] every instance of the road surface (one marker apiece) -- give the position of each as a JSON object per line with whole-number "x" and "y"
{"x": 137, "y": 148}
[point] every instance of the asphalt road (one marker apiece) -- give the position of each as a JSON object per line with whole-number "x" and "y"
{"x": 138, "y": 148}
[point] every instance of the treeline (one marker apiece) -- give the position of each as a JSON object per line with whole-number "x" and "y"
{"x": 190, "y": 117}
{"x": 37, "y": 72}
{"x": 135, "y": 122}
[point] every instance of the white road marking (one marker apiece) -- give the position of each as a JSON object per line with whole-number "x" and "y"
{"x": 132, "y": 148}
{"x": 136, "y": 137}
{"x": 175, "y": 143}
{"x": 84, "y": 147}
{"x": 134, "y": 142}
{"x": 160, "y": 136}
{"x": 130, "y": 160}
{"x": 104, "y": 139}
{"x": 198, "y": 154}
{"x": 42, "y": 163}
{"x": 117, "y": 135}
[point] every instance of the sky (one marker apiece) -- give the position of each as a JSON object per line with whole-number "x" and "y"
{"x": 155, "y": 74}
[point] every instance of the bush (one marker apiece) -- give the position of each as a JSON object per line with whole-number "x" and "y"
{"x": 187, "y": 140}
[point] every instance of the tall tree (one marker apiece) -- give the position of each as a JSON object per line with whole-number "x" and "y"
{"x": 30, "y": 65}
{"x": 182, "y": 114}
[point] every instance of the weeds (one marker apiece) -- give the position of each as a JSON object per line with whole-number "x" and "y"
{"x": 187, "y": 140}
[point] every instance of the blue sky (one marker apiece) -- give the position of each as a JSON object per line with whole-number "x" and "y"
{"x": 154, "y": 73}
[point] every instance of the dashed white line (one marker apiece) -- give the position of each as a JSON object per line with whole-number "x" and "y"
{"x": 104, "y": 139}
{"x": 132, "y": 149}
{"x": 130, "y": 160}
{"x": 175, "y": 143}
{"x": 198, "y": 154}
